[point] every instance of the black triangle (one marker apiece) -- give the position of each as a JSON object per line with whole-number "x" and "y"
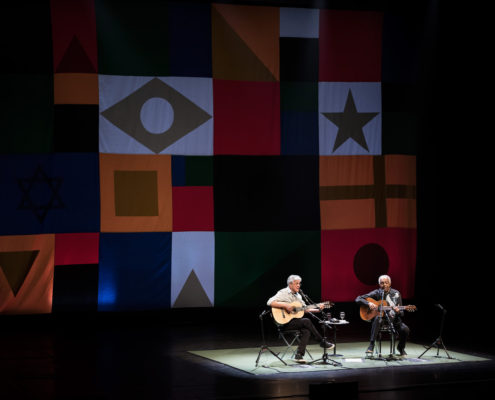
{"x": 192, "y": 294}
{"x": 16, "y": 266}
{"x": 75, "y": 59}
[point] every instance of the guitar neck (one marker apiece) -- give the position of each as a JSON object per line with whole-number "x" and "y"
{"x": 305, "y": 307}
{"x": 325, "y": 304}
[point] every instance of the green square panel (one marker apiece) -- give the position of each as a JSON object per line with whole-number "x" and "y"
{"x": 27, "y": 116}
{"x": 250, "y": 267}
{"x": 199, "y": 171}
{"x": 133, "y": 37}
{"x": 299, "y": 96}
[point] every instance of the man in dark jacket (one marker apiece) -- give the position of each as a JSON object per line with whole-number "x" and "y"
{"x": 393, "y": 298}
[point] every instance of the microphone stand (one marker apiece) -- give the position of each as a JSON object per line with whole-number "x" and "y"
{"x": 324, "y": 358}
{"x": 438, "y": 341}
{"x": 380, "y": 321}
{"x": 393, "y": 332}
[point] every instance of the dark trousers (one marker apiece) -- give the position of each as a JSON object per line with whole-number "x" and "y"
{"x": 305, "y": 325}
{"x": 400, "y": 327}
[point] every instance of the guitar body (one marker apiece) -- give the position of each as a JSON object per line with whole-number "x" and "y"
{"x": 368, "y": 314}
{"x": 282, "y": 317}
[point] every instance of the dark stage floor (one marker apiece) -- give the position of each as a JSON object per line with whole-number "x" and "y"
{"x": 144, "y": 356}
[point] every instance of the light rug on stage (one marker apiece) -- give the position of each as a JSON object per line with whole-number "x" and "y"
{"x": 348, "y": 356}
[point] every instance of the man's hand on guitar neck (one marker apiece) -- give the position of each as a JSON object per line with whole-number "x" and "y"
{"x": 315, "y": 308}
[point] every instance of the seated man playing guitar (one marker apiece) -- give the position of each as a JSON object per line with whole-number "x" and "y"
{"x": 376, "y": 303}
{"x": 288, "y": 308}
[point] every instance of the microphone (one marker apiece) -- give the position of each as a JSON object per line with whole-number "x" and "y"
{"x": 304, "y": 296}
{"x": 440, "y": 307}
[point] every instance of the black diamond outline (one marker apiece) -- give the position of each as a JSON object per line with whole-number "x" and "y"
{"x": 187, "y": 115}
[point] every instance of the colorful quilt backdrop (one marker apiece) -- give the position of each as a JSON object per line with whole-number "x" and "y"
{"x": 194, "y": 154}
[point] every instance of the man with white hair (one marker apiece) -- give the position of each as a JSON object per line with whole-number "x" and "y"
{"x": 284, "y": 299}
{"x": 394, "y": 300}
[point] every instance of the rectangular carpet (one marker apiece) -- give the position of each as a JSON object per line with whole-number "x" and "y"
{"x": 349, "y": 355}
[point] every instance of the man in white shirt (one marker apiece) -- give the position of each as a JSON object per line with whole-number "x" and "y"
{"x": 284, "y": 299}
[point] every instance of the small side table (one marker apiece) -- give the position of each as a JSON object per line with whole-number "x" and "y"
{"x": 335, "y": 323}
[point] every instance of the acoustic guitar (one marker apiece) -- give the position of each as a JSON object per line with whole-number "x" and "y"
{"x": 368, "y": 314}
{"x": 282, "y": 317}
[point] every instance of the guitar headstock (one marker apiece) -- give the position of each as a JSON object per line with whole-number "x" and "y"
{"x": 411, "y": 308}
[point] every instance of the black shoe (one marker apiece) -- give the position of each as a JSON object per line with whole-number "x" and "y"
{"x": 299, "y": 358}
{"x": 402, "y": 352}
{"x": 326, "y": 345}
{"x": 370, "y": 349}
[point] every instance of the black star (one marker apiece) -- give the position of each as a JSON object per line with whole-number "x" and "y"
{"x": 350, "y": 123}
{"x": 36, "y": 197}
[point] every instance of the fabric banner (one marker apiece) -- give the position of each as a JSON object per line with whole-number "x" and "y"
{"x": 143, "y": 115}
{"x": 190, "y": 39}
{"x": 136, "y": 193}
{"x": 126, "y": 44}
{"x": 26, "y": 39}
{"x": 350, "y": 119}
{"x": 192, "y": 171}
{"x": 75, "y": 54}
{"x": 247, "y": 118}
{"x": 250, "y": 267}
{"x": 75, "y": 128}
{"x": 367, "y": 192}
{"x": 134, "y": 271}
{"x": 75, "y": 288}
{"x": 402, "y": 105}
{"x": 74, "y": 36}
{"x": 192, "y": 208}
{"x": 266, "y": 193}
{"x": 168, "y": 38}
{"x": 402, "y": 58}
{"x": 26, "y": 274}
{"x": 193, "y": 269}
{"x": 299, "y": 118}
{"x": 350, "y": 46}
{"x": 49, "y": 193}
{"x": 27, "y": 113}
{"x": 299, "y": 22}
{"x": 352, "y": 260}
{"x": 190, "y": 154}
{"x": 76, "y": 248}
{"x": 245, "y": 42}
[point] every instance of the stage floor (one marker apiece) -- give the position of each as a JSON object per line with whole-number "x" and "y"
{"x": 153, "y": 356}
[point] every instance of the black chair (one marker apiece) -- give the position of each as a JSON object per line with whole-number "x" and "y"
{"x": 291, "y": 338}
{"x": 386, "y": 329}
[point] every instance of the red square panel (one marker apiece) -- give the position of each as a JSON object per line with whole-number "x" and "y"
{"x": 352, "y": 260}
{"x": 192, "y": 208}
{"x": 350, "y": 46}
{"x": 247, "y": 117}
{"x": 76, "y": 248}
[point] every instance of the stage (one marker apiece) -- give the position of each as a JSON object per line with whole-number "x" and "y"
{"x": 171, "y": 355}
